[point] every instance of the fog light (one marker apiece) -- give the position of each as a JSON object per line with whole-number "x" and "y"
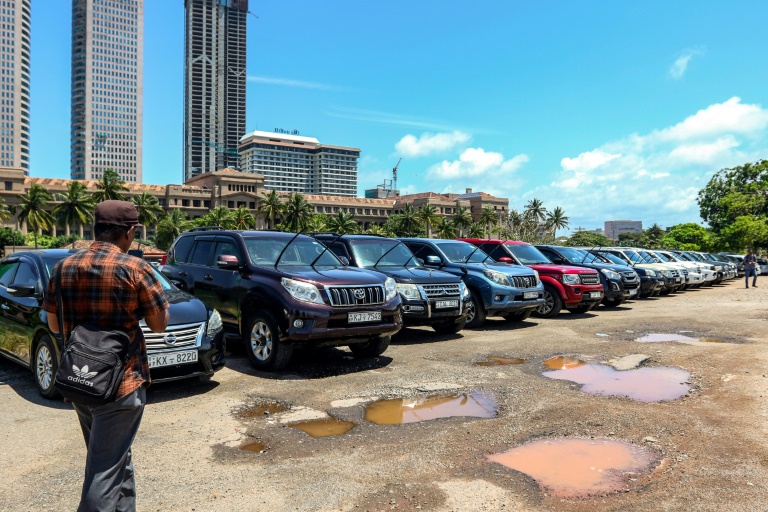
{"x": 298, "y": 323}
{"x": 497, "y": 298}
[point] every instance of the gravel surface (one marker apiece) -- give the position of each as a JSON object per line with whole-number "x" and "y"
{"x": 711, "y": 444}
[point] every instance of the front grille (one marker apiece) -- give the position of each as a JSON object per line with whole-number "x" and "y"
{"x": 524, "y": 281}
{"x": 441, "y": 290}
{"x": 590, "y": 279}
{"x": 355, "y": 295}
{"x": 629, "y": 276}
{"x": 175, "y": 336}
{"x": 675, "y": 273}
{"x": 684, "y": 272}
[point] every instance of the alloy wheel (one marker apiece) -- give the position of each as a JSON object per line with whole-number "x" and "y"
{"x": 549, "y": 303}
{"x": 44, "y": 367}
{"x": 261, "y": 341}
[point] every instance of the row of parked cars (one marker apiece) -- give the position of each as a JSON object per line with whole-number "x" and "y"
{"x": 276, "y": 292}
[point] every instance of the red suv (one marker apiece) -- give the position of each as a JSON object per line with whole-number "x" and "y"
{"x": 577, "y": 289}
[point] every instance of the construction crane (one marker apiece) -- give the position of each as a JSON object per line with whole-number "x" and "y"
{"x": 394, "y": 177}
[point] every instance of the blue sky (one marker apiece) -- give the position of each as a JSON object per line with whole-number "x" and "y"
{"x": 611, "y": 110}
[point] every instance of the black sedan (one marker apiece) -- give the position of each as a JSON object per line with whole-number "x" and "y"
{"x": 191, "y": 346}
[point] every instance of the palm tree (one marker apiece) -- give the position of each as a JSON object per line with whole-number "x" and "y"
{"x": 488, "y": 217}
{"x": 270, "y": 207}
{"x": 148, "y": 208}
{"x": 409, "y": 219}
{"x": 297, "y": 212}
{"x": 5, "y": 212}
{"x": 220, "y": 216}
{"x": 375, "y": 229}
{"x": 557, "y": 219}
{"x": 462, "y": 219}
{"x": 428, "y": 215}
{"x": 535, "y": 209}
{"x": 243, "y": 219}
{"x": 32, "y": 209}
{"x": 171, "y": 226}
{"x": 317, "y": 223}
{"x": 75, "y": 207}
{"x": 446, "y": 229}
{"x": 343, "y": 223}
{"x": 476, "y": 230}
{"x": 110, "y": 187}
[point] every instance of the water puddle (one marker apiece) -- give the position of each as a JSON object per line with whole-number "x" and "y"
{"x": 261, "y": 410}
{"x": 641, "y": 384}
{"x": 573, "y": 468}
{"x": 324, "y": 427}
{"x": 254, "y": 447}
{"x": 499, "y": 361}
{"x": 659, "y": 338}
{"x": 711, "y": 340}
{"x": 563, "y": 363}
{"x": 478, "y": 404}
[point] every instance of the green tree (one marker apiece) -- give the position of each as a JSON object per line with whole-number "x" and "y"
{"x": 220, "y": 216}
{"x": 243, "y": 219}
{"x": 149, "y": 210}
{"x": 557, "y": 219}
{"x": 75, "y": 207}
{"x": 409, "y": 220}
{"x": 5, "y": 212}
{"x": 462, "y": 219}
{"x": 171, "y": 226}
{"x": 297, "y": 212}
{"x": 375, "y": 229}
{"x": 535, "y": 210}
{"x": 633, "y": 239}
{"x": 110, "y": 187}
{"x": 744, "y": 232}
{"x": 396, "y": 227}
{"x": 429, "y": 216}
{"x": 63, "y": 241}
{"x": 343, "y": 223}
{"x": 654, "y": 235}
{"x": 12, "y": 237}
{"x": 689, "y": 234}
{"x": 32, "y": 210}
{"x": 735, "y": 192}
{"x": 270, "y": 207}
{"x": 446, "y": 229}
{"x": 317, "y": 223}
{"x": 488, "y": 218}
{"x": 587, "y": 239}
{"x": 476, "y": 230}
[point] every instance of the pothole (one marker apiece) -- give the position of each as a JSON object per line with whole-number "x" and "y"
{"x": 479, "y": 404}
{"x": 573, "y": 468}
{"x": 260, "y": 410}
{"x": 661, "y": 338}
{"x": 563, "y": 363}
{"x": 254, "y": 447}
{"x": 324, "y": 427}
{"x": 499, "y": 361}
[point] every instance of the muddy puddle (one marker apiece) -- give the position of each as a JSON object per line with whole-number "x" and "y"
{"x": 478, "y": 404}
{"x": 573, "y": 468}
{"x": 261, "y": 410}
{"x": 254, "y": 447}
{"x": 660, "y": 338}
{"x": 563, "y": 363}
{"x": 500, "y": 361}
{"x": 324, "y": 427}
{"x": 641, "y": 384}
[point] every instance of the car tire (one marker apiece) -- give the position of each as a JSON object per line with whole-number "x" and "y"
{"x": 373, "y": 348}
{"x": 613, "y": 303}
{"x": 263, "y": 346}
{"x": 553, "y": 304}
{"x": 476, "y": 316}
{"x": 44, "y": 368}
{"x": 449, "y": 327}
{"x": 518, "y": 317}
{"x": 580, "y": 310}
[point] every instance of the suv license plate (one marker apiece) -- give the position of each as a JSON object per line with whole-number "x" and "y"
{"x": 595, "y": 295}
{"x": 632, "y": 292}
{"x": 530, "y": 295}
{"x": 446, "y": 304}
{"x": 370, "y": 316}
{"x": 188, "y": 356}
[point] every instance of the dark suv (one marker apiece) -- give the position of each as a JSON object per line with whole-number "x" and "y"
{"x": 277, "y": 290}
{"x": 430, "y": 297}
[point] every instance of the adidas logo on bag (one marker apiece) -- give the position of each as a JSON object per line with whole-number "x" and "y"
{"x": 83, "y": 375}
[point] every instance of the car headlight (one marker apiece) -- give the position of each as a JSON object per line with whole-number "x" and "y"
{"x": 571, "y": 278}
{"x": 698, "y": 270}
{"x": 496, "y": 277}
{"x": 463, "y": 290}
{"x": 390, "y": 289}
{"x": 666, "y": 273}
{"x": 214, "y": 324}
{"x": 303, "y": 291}
{"x": 610, "y": 274}
{"x": 536, "y": 273}
{"x": 408, "y": 291}
{"x": 650, "y": 273}
{"x": 712, "y": 268}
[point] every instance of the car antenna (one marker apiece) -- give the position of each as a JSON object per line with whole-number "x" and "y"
{"x": 388, "y": 251}
{"x": 327, "y": 246}
{"x": 286, "y": 247}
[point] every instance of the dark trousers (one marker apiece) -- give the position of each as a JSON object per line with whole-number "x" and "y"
{"x": 108, "y": 430}
{"x": 747, "y": 273}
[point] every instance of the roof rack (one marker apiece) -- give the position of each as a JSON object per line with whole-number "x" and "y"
{"x": 206, "y": 228}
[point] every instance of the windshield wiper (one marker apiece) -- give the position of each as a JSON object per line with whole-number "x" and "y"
{"x": 488, "y": 255}
{"x": 388, "y": 251}
{"x": 286, "y": 247}
{"x": 327, "y": 246}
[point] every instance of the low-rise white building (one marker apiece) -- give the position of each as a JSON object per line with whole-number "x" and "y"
{"x": 613, "y": 228}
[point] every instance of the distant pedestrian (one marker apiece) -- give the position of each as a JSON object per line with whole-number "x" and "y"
{"x": 102, "y": 285}
{"x": 750, "y": 262}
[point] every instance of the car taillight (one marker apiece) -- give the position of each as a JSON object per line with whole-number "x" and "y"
{"x": 164, "y": 259}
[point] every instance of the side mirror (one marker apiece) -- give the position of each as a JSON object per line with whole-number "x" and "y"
{"x": 23, "y": 290}
{"x": 136, "y": 252}
{"x": 506, "y": 259}
{"x": 227, "y": 262}
{"x": 432, "y": 261}
{"x": 344, "y": 260}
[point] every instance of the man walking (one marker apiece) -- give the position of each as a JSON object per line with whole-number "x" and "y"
{"x": 107, "y": 287}
{"x": 750, "y": 262}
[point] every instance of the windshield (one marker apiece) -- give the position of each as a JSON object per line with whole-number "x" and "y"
{"x": 458, "y": 252}
{"x": 662, "y": 256}
{"x": 302, "y": 251}
{"x": 575, "y": 255}
{"x": 527, "y": 254}
{"x": 650, "y": 258}
{"x": 51, "y": 261}
{"x": 368, "y": 252}
{"x": 634, "y": 257}
{"x": 612, "y": 257}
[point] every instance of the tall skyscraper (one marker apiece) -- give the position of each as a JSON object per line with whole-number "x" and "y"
{"x": 15, "y": 27}
{"x": 214, "y": 84}
{"x": 107, "y": 88}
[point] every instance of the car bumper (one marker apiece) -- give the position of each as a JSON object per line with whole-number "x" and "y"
{"x": 426, "y": 312}
{"x": 583, "y": 294}
{"x": 502, "y": 301}
{"x": 333, "y": 324}
{"x": 210, "y": 358}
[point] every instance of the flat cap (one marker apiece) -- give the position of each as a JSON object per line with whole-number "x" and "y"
{"x": 117, "y": 213}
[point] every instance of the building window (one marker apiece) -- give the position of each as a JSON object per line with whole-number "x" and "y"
{"x": 8, "y": 185}
{"x": 206, "y": 204}
{"x": 185, "y": 202}
{"x": 252, "y": 205}
{"x": 230, "y": 204}
{"x": 196, "y": 203}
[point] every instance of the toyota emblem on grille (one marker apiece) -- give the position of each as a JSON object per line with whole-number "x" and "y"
{"x": 169, "y": 339}
{"x": 360, "y": 293}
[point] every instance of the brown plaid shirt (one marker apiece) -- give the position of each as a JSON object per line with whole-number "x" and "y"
{"x": 104, "y": 286}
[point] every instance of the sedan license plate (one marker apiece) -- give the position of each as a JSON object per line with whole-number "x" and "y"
{"x": 595, "y": 295}
{"x": 530, "y": 295}
{"x": 368, "y": 316}
{"x": 158, "y": 360}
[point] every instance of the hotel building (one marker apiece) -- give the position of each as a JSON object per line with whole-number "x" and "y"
{"x": 15, "y": 27}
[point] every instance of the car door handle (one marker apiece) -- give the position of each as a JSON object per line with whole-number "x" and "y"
{"x": 183, "y": 274}
{"x": 209, "y": 277}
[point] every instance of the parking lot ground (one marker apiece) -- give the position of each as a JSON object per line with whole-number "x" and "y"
{"x": 709, "y": 446}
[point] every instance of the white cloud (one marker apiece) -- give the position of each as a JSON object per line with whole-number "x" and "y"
{"x": 378, "y": 117}
{"x": 476, "y": 162}
{"x": 656, "y": 177}
{"x": 680, "y": 66}
{"x": 430, "y": 143}
{"x": 287, "y": 82}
